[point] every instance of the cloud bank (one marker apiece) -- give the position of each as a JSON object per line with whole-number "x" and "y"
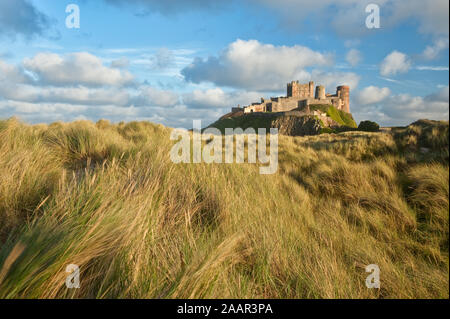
{"x": 20, "y": 17}
{"x": 253, "y": 65}
{"x": 377, "y": 104}
{"x": 75, "y": 69}
{"x": 347, "y": 17}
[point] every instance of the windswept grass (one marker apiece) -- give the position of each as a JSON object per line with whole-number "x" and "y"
{"x": 107, "y": 198}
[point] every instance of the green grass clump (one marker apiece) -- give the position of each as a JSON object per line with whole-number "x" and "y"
{"x": 341, "y": 117}
{"x": 107, "y": 198}
{"x": 319, "y": 107}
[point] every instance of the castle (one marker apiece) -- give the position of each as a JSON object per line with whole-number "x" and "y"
{"x": 300, "y": 96}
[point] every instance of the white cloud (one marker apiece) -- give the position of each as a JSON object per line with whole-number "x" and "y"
{"x": 431, "y": 15}
{"x": 371, "y": 95}
{"x": 352, "y": 42}
{"x": 164, "y": 58}
{"x": 407, "y": 108}
{"x": 20, "y": 17}
{"x": 120, "y": 63}
{"x": 403, "y": 109}
{"x": 432, "y": 51}
{"x": 333, "y": 79}
{"x": 144, "y": 96}
{"x": 256, "y": 66}
{"x": 79, "y": 68}
{"x": 152, "y": 96}
{"x": 72, "y": 95}
{"x": 353, "y": 57}
{"x": 431, "y": 68}
{"x": 41, "y": 109}
{"x": 15, "y": 85}
{"x": 12, "y": 73}
{"x": 217, "y": 98}
{"x": 441, "y": 96}
{"x": 390, "y": 80}
{"x": 395, "y": 62}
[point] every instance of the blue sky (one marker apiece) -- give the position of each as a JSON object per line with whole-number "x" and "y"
{"x": 177, "y": 60}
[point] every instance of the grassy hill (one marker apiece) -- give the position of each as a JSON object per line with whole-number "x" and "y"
{"x": 247, "y": 120}
{"x": 267, "y": 120}
{"x": 107, "y": 198}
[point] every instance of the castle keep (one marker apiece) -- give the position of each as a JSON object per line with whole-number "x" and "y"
{"x": 300, "y": 96}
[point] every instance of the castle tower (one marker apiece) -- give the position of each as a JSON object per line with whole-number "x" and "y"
{"x": 320, "y": 92}
{"x": 311, "y": 89}
{"x": 343, "y": 92}
{"x": 292, "y": 89}
{"x": 297, "y": 90}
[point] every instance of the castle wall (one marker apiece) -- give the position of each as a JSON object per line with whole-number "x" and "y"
{"x": 310, "y": 101}
{"x": 280, "y": 104}
{"x": 285, "y": 104}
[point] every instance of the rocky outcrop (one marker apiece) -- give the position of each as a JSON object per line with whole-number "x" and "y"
{"x": 293, "y": 123}
{"x": 297, "y": 126}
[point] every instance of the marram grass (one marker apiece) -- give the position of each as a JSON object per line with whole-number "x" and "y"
{"x": 107, "y": 198}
